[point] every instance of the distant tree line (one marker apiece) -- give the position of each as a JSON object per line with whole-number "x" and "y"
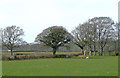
{"x": 96, "y": 35}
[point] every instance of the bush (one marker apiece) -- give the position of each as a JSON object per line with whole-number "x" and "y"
{"x": 116, "y": 54}
{"x": 63, "y": 56}
{"x": 60, "y": 56}
{"x": 19, "y": 57}
{"x": 12, "y": 58}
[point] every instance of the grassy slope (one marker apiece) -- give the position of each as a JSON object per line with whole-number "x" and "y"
{"x": 102, "y": 66}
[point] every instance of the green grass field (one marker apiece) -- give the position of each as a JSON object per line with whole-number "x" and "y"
{"x": 96, "y": 66}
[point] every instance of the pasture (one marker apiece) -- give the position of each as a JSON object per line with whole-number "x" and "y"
{"x": 94, "y": 66}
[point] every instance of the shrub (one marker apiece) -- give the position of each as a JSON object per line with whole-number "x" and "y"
{"x": 19, "y": 57}
{"x": 12, "y": 58}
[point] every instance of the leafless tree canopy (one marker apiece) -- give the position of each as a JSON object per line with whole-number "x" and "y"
{"x": 79, "y": 36}
{"x": 96, "y": 31}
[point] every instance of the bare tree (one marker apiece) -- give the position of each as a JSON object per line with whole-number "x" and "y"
{"x": 104, "y": 30}
{"x": 89, "y": 36}
{"x": 12, "y": 37}
{"x": 54, "y": 37}
{"x": 79, "y": 34}
{"x": 94, "y": 33}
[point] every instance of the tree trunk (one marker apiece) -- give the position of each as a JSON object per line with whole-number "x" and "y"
{"x": 98, "y": 53}
{"x": 90, "y": 53}
{"x": 11, "y": 49}
{"x": 54, "y": 51}
{"x": 101, "y": 54}
{"x": 85, "y": 53}
{"x": 101, "y": 51}
{"x": 94, "y": 53}
{"x": 94, "y": 49}
{"x": 81, "y": 47}
{"x": 11, "y": 52}
{"x": 82, "y": 51}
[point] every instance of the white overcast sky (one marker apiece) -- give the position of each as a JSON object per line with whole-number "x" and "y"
{"x": 33, "y": 16}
